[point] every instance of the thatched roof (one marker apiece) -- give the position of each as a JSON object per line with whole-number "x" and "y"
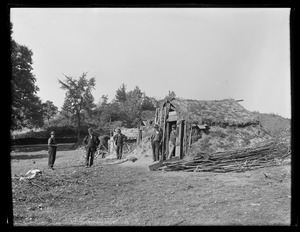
{"x": 222, "y": 112}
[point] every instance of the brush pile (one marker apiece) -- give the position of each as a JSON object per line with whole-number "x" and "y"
{"x": 241, "y": 160}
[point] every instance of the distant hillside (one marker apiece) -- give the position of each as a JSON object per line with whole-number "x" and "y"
{"x": 276, "y": 125}
{"x": 273, "y": 123}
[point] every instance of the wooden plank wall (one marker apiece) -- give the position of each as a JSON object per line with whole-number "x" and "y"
{"x": 182, "y": 129}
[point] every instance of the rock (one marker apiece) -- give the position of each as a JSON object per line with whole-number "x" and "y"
{"x": 132, "y": 158}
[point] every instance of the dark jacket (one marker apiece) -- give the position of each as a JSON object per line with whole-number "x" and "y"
{"x": 156, "y": 136}
{"x": 91, "y": 141}
{"x": 119, "y": 139}
{"x": 52, "y": 143}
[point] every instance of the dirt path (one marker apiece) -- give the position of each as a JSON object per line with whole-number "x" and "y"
{"x": 129, "y": 194}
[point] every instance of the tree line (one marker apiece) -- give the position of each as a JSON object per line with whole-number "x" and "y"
{"x": 79, "y": 107}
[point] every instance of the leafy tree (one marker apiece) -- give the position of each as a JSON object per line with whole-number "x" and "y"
{"x": 170, "y": 96}
{"x": 67, "y": 110}
{"x": 26, "y": 107}
{"x": 121, "y": 94}
{"x": 104, "y": 99}
{"x": 131, "y": 108}
{"x": 79, "y": 95}
{"x": 50, "y": 110}
{"x": 147, "y": 104}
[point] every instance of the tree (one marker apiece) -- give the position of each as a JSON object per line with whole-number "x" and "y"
{"x": 147, "y": 104}
{"x": 121, "y": 94}
{"x": 26, "y": 107}
{"x": 131, "y": 108}
{"x": 79, "y": 95}
{"x": 170, "y": 96}
{"x": 103, "y": 100}
{"x": 67, "y": 110}
{"x": 50, "y": 110}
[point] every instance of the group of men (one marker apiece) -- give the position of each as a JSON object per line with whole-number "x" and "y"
{"x": 91, "y": 142}
{"x": 156, "y": 142}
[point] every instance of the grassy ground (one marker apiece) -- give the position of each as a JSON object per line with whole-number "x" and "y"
{"x": 129, "y": 194}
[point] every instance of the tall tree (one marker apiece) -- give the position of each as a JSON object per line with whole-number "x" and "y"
{"x": 79, "y": 93}
{"x": 147, "y": 103}
{"x": 121, "y": 94}
{"x": 67, "y": 110}
{"x": 104, "y": 99}
{"x": 50, "y": 110}
{"x": 26, "y": 107}
{"x": 171, "y": 95}
{"x": 132, "y": 107}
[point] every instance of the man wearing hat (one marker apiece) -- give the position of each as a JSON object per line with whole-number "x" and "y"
{"x": 119, "y": 140}
{"x": 172, "y": 141}
{"x": 156, "y": 139}
{"x": 91, "y": 142}
{"x": 52, "y": 145}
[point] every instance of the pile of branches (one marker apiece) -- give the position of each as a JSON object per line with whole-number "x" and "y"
{"x": 232, "y": 161}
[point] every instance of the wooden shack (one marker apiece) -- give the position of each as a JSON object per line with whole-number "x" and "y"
{"x": 193, "y": 120}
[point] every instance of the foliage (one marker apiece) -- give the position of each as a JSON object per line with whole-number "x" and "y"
{"x": 80, "y": 99}
{"x": 148, "y": 104}
{"x": 66, "y": 111}
{"x": 26, "y": 107}
{"x": 50, "y": 110}
{"x": 131, "y": 108}
{"x": 121, "y": 94}
{"x": 171, "y": 95}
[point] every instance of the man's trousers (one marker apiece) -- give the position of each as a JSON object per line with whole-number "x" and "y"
{"x": 155, "y": 150}
{"x": 52, "y": 156}
{"x": 119, "y": 150}
{"x": 89, "y": 159}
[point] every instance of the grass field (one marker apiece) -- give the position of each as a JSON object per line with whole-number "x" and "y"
{"x": 129, "y": 194}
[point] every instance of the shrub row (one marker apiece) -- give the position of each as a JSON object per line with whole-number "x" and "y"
{"x": 32, "y": 141}
{"x": 64, "y": 131}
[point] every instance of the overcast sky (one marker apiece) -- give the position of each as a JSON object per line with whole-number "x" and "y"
{"x": 200, "y": 53}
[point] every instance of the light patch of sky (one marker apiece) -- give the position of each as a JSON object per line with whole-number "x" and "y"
{"x": 200, "y": 53}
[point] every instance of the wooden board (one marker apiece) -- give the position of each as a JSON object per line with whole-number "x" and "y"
{"x": 155, "y": 165}
{"x": 167, "y": 139}
{"x": 177, "y": 149}
{"x": 172, "y": 118}
{"x": 182, "y": 128}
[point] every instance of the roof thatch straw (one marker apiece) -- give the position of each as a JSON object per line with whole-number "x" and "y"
{"x": 227, "y": 112}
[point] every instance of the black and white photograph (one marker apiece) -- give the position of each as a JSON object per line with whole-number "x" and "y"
{"x": 150, "y": 116}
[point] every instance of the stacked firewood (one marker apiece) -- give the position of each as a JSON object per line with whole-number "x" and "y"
{"x": 232, "y": 161}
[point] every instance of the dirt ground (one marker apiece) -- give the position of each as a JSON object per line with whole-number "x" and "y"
{"x": 128, "y": 194}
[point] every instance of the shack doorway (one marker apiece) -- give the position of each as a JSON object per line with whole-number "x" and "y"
{"x": 169, "y": 129}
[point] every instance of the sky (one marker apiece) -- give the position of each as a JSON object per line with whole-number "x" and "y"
{"x": 199, "y": 53}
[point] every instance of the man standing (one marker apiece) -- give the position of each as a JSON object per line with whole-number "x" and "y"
{"x": 52, "y": 145}
{"x": 119, "y": 140}
{"x": 156, "y": 139}
{"x": 91, "y": 142}
{"x": 172, "y": 141}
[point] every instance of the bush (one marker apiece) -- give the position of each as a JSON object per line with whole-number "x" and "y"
{"x": 34, "y": 141}
{"x": 60, "y": 132}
